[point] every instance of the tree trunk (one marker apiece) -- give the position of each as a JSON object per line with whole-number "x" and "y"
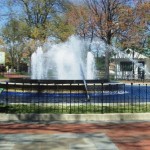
{"x": 18, "y": 66}
{"x": 107, "y": 57}
{"x": 12, "y": 64}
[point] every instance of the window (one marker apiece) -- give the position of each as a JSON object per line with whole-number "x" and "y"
{"x": 126, "y": 66}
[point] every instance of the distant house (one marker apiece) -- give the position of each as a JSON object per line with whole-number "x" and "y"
{"x": 131, "y": 65}
{"x": 2, "y": 58}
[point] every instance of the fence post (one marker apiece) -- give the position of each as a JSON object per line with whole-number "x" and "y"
{"x": 117, "y": 86}
{"x": 146, "y": 97}
{"x": 39, "y": 91}
{"x": 139, "y": 97}
{"x": 70, "y": 100}
{"x": 124, "y": 97}
{"x": 102, "y": 99}
{"x": 132, "y": 97}
{"x": 94, "y": 98}
{"x": 6, "y": 93}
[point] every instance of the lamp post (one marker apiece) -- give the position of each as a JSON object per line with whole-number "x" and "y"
{"x": 133, "y": 64}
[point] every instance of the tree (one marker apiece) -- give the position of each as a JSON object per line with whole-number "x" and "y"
{"x": 143, "y": 11}
{"x": 38, "y": 15}
{"x": 37, "y": 21}
{"x": 105, "y": 23}
{"x": 14, "y": 37}
{"x": 109, "y": 19}
{"x": 82, "y": 20}
{"x": 60, "y": 29}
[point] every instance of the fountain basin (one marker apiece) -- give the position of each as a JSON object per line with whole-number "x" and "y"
{"x": 61, "y": 85}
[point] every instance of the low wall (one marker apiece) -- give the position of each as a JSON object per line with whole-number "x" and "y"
{"x": 76, "y": 117}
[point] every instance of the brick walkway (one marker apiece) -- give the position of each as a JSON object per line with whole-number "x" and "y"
{"x": 14, "y": 75}
{"x": 126, "y": 136}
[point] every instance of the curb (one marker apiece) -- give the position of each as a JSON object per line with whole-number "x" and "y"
{"x": 76, "y": 117}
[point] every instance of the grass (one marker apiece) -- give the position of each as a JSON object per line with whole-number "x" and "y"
{"x": 80, "y": 109}
{"x": 2, "y": 77}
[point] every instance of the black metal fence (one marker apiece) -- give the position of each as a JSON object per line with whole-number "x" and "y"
{"x": 70, "y": 96}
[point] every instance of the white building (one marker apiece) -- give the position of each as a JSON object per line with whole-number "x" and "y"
{"x": 2, "y": 58}
{"x": 131, "y": 65}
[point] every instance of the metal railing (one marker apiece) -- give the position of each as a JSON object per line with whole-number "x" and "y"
{"x": 69, "y": 96}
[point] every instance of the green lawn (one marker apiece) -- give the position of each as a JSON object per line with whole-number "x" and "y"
{"x": 80, "y": 109}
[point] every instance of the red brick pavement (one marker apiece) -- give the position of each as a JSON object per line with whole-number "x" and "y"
{"x": 14, "y": 75}
{"x": 127, "y": 136}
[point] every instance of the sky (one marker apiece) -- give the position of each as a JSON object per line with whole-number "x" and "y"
{"x": 77, "y": 1}
{"x": 4, "y": 11}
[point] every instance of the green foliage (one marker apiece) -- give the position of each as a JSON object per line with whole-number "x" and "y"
{"x": 100, "y": 63}
{"x": 39, "y": 16}
{"x": 14, "y": 35}
{"x": 146, "y": 52}
{"x": 15, "y": 30}
{"x": 2, "y": 77}
{"x": 60, "y": 29}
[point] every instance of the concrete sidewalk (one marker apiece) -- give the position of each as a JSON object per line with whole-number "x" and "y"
{"x": 68, "y": 141}
{"x": 75, "y": 136}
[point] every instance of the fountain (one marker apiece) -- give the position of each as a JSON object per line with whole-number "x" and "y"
{"x": 37, "y": 64}
{"x": 90, "y": 65}
{"x": 63, "y": 61}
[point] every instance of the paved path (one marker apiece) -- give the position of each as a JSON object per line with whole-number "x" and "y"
{"x": 75, "y": 136}
{"x": 68, "y": 141}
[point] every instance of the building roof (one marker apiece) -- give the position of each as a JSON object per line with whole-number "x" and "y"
{"x": 129, "y": 53}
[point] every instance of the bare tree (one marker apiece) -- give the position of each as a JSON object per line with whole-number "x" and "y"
{"x": 105, "y": 13}
{"x": 119, "y": 19}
